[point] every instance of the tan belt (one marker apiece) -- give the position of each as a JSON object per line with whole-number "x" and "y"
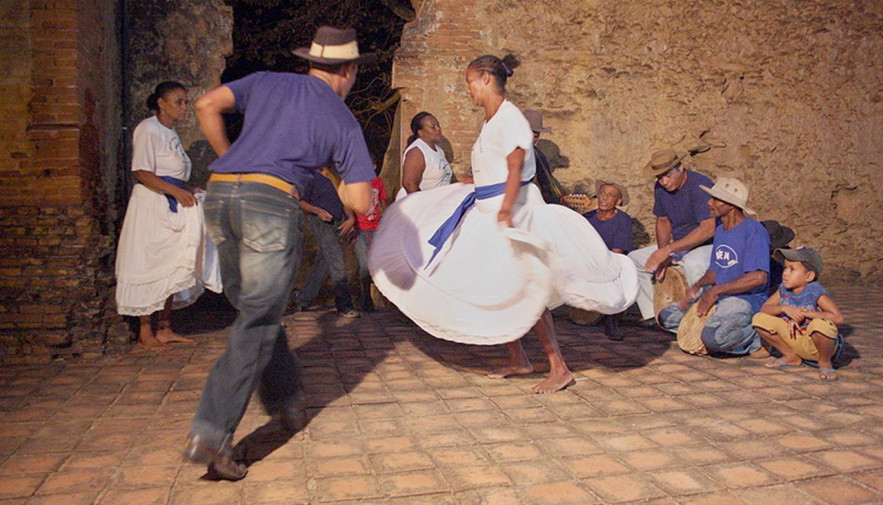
{"x": 269, "y": 180}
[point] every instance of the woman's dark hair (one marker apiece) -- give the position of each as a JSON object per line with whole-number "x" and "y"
{"x": 417, "y": 125}
{"x": 501, "y": 69}
{"x": 160, "y": 91}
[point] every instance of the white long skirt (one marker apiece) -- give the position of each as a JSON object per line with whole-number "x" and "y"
{"x": 490, "y": 284}
{"x": 161, "y": 253}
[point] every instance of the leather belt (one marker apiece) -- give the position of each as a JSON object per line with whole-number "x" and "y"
{"x": 269, "y": 180}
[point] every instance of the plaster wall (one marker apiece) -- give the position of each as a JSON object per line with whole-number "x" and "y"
{"x": 787, "y": 94}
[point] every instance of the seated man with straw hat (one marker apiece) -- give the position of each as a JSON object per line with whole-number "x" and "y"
{"x": 683, "y": 228}
{"x": 735, "y": 284}
{"x": 615, "y": 228}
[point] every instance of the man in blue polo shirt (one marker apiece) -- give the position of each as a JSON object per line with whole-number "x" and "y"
{"x": 294, "y": 125}
{"x": 683, "y": 227}
{"x": 736, "y": 282}
{"x": 329, "y": 220}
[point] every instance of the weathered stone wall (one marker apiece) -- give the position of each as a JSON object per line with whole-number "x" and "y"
{"x": 177, "y": 40}
{"x": 61, "y": 113}
{"x": 787, "y": 93}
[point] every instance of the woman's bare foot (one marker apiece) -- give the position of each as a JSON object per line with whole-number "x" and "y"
{"x": 167, "y": 336}
{"x": 147, "y": 340}
{"x": 556, "y": 381}
{"x": 508, "y": 370}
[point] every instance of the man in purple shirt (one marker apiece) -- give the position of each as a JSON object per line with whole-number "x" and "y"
{"x": 736, "y": 281}
{"x": 294, "y": 125}
{"x": 683, "y": 227}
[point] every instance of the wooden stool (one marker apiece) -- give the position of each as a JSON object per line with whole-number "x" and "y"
{"x": 671, "y": 289}
{"x": 690, "y": 331}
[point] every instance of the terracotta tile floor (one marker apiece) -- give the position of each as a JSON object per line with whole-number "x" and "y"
{"x": 398, "y": 417}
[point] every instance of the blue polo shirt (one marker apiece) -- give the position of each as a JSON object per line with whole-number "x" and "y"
{"x": 294, "y": 125}
{"x": 743, "y": 248}
{"x": 686, "y": 207}
{"x": 320, "y": 192}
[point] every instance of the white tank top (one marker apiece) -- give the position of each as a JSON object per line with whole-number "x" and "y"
{"x": 438, "y": 171}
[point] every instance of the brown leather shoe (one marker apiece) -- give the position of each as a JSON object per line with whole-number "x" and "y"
{"x": 197, "y": 451}
{"x": 221, "y": 465}
{"x": 224, "y": 467}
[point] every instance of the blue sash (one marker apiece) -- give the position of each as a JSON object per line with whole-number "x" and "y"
{"x": 444, "y": 232}
{"x": 173, "y": 202}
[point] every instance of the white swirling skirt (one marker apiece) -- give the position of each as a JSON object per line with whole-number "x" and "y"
{"x": 161, "y": 253}
{"x": 490, "y": 284}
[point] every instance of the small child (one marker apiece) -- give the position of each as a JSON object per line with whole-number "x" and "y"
{"x": 800, "y": 318}
{"x": 366, "y": 225}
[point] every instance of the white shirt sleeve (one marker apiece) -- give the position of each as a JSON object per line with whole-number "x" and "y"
{"x": 517, "y": 132}
{"x": 145, "y": 143}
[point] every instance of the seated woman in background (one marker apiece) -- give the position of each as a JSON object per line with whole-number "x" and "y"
{"x": 161, "y": 253}
{"x": 424, "y": 165}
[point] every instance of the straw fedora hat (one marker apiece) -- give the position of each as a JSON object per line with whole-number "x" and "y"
{"x": 616, "y": 184}
{"x": 662, "y": 161}
{"x": 334, "y": 46}
{"x": 535, "y": 118}
{"x": 730, "y": 190}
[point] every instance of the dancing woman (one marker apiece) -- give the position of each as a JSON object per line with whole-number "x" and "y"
{"x": 484, "y": 264}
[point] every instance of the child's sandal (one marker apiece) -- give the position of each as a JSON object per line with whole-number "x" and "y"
{"x": 828, "y": 375}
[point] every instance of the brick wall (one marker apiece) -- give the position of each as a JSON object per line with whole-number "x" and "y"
{"x": 58, "y": 172}
{"x": 788, "y": 95}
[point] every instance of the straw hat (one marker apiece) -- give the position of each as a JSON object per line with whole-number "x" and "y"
{"x": 535, "y": 118}
{"x": 334, "y": 46}
{"x": 616, "y": 184}
{"x": 730, "y": 190}
{"x": 662, "y": 161}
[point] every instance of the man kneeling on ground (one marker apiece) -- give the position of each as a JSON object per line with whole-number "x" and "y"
{"x": 736, "y": 281}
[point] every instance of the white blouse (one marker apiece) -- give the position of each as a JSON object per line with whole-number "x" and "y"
{"x": 158, "y": 149}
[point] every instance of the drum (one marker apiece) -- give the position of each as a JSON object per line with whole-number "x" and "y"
{"x": 584, "y": 317}
{"x": 690, "y": 331}
{"x": 671, "y": 289}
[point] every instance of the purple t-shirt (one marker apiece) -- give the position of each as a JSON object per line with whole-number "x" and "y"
{"x": 686, "y": 207}
{"x": 616, "y": 231}
{"x": 320, "y": 192}
{"x": 739, "y": 250}
{"x": 294, "y": 125}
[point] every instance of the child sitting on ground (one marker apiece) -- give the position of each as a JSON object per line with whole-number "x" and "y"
{"x": 800, "y": 318}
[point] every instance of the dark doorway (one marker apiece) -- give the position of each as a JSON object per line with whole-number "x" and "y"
{"x": 265, "y": 31}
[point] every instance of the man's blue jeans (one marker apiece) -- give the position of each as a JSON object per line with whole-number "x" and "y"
{"x": 330, "y": 262}
{"x": 728, "y": 330}
{"x": 256, "y": 229}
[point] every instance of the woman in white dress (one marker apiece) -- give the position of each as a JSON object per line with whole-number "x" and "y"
{"x": 160, "y": 257}
{"x": 424, "y": 165}
{"x": 484, "y": 264}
